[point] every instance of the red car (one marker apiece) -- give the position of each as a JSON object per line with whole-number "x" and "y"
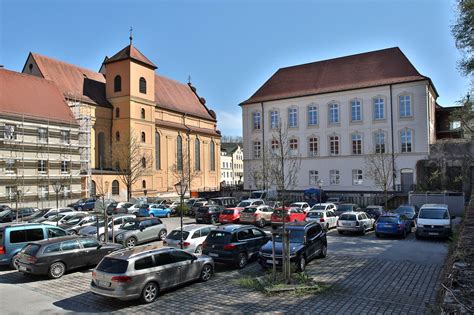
{"x": 229, "y": 215}
{"x": 288, "y": 215}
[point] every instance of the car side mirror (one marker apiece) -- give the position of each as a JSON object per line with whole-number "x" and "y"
{"x": 99, "y": 246}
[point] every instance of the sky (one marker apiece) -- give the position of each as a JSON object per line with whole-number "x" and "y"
{"x": 230, "y": 48}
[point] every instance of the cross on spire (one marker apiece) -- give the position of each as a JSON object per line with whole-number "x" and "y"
{"x": 131, "y": 35}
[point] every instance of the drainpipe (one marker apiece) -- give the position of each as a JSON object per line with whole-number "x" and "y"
{"x": 393, "y": 144}
{"x": 263, "y": 149}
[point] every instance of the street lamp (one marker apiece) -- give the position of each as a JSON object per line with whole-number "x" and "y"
{"x": 181, "y": 190}
{"x": 57, "y": 186}
{"x": 320, "y": 184}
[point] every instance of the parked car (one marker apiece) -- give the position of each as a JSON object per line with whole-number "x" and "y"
{"x": 229, "y": 215}
{"x": 292, "y": 215}
{"x": 14, "y": 236}
{"x": 143, "y": 272}
{"x": 354, "y": 222}
{"x": 392, "y": 224}
{"x": 62, "y": 218}
{"x": 141, "y": 230}
{"x": 249, "y": 202}
{"x": 324, "y": 206}
{"x": 434, "y": 220}
{"x": 83, "y": 204}
{"x": 4, "y": 207}
{"x": 82, "y": 223}
{"x": 134, "y": 208}
{"x": 208, "y": 214}
{"x": 52, "y": 219}
{"x": 36, "y": 214}
{"x": 153, "y": 210}
{"x": 54, "y": 257}
{"x": 409, "y": 212}
{"x": 116, "y": 208}
{"x": 119, "y": 220}
{"x": 374, "y": 211}
{"x": 53, "y": 212}
{"x": 10, "y": 215}
{"x": 191, "y": 201}
{"x": 326, "y": 218}
{"x": 227, "y": 202}
{"x": 193, "y": 237}
{"x": 304, "y": 206}
{"x": 234, "y": 243}
{"x": 346, "y": 207}
{"x": 193, "y": 210}
{"x": 258, "y": 215}
{"x": 307, "y": 241}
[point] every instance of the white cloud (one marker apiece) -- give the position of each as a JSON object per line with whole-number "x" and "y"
{"x": 229, "y": 123}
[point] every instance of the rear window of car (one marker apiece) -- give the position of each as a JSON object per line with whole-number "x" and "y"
{"x": 388, "y": 220}
{"x": 344, "y": 207}
{"x": 52, "y": 248}
{"x": 31, "y": 249}
{"x": 244, "y": 204}
{"x": 176, "y": 235}
{"x": 227, "y": 211}
{"x": 219, "y": 237}
{"x": 249, "y": 210}
{"x": 315, "y": 215}
{"x": 348, "y": 217}
{"x": 113, "y": 265}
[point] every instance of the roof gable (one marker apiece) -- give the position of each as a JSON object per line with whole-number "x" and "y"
{"x": 130, "y": 52}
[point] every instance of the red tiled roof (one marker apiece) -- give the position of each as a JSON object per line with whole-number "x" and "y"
{"x": 178, "y": 126}
{"x": 130, "y": 52}
{"x": 73, "y": 81}
{"x": 375, "y": 68}
{"x": 23, "y": 94}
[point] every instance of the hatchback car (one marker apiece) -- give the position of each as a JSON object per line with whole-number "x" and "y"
{"x": 83, "y": 204}
{"x": 249, "y": 202}
{"x": 141, "y": 273}
{"x": 291, "y": 215}
{"x": 304, "y": 206}
{"x": 193, "y": 237}
{"x": 354, "y": 222}
{"x": 62, "y": 218}
{"x": 141, "y": 230}
{"x": 234, "y": 244}
{"x": 229, "y": 215}
{"x": 227, "y": 202}
{"x": 54, "y": 257}
{"x": 324, "y": 206}
{"x": 394, "y": 224}
{"x": 326, "y": 218}
{"x": 209, "y": 214}
{"x": 307, "y": 241}
{"x": 374, "y": 211}
{"x": 258, "y": 215}
{"x": 82, "y": 223}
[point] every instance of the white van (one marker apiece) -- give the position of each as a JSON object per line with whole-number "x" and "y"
{"x": 270, "y": 193}
{"x": 434, "y": 220}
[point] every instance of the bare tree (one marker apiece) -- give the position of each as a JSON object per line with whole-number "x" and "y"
{"x": 380, "y": 168}
{"x": 102, "y": 190}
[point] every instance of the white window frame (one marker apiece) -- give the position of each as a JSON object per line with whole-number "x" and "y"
{"x": 313, "y": 113}
{"x": 66, "y": 191}
{"x": 313, "y": 177}
{"x": 257, "y": 120}
{"x": 10, "y": 192}
{"x": 334, "y": 143}
{"x": 43, "y": 191}
{"x": 359, "y": 148}
{"x": 10, "y": 166}
{"x": 377, "y": 143}
{"x": 356, "y": 106}
{"x": 42, "y": 135}
{"x": 404, "y": 145}
{"x": 67, "y": 167}
{"x": 257, "y": 149}
{"x": 9, "y": 132}
{"x": 293, "y": 146}
{"x": 274, "y": 119}
{"x": 42, "y": 167}
{"x": 333, "y": 113}
{"x": 292, "y": 117}
{"x": 274, "y": 146}
{"x": 378, "y": 108}
{"x": 334, "y": 177}
{"x": 357, "y": 177}
{"x": 313, "y": 141}
{"x": 65, "y": 136}
{"x": 402, "y": 104}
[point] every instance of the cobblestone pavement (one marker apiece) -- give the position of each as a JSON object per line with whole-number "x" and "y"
{"x": 362, "y": 285}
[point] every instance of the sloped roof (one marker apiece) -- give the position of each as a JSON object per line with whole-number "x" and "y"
{"x": 230, "y": 148}
{"x": 130, "y": 52}
{"x": 375, "y": 68}
{"x": 74, "y": 81}
{"x": 34, "y": 97}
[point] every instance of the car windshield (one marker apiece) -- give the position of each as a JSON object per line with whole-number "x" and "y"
{"x": 344, "y": 207}
{"x": 296, "y": 236}
{"x": 315, "y": 214}
{"x": 388, "y": 220}
{"x": 31, "y": 249}
{"x": 176, "y": 235}
{"x": 403, "y": 210}
{"x": 112, "y": 265}
{"x": 348, "y": 217}
{"x": 428, "y": 213}
{"x": 132, "y": 225}
{"x": 74, "y": 220}
{"x": 318, "y": 207}
{"x": 249, "y": 210}
{"x": 100, "y": 223}
{"x": 243, "y": 204}
{"x": 219, "y": 237}
{"x": 228, "y": 211}
{"x": 199, "y": 204}
{"x": 144, "y": 206}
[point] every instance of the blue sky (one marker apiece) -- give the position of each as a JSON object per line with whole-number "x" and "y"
{"x": 230, "y": 48}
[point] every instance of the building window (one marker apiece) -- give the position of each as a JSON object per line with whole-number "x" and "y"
{"x": 275, "y": 145}
{"x": 179, "y": 153}
{"x": 42, "y": 166}
{"x": 10, "y": 192}
{"x": 257, "y": 120}
{"x": 334, "y": 178}
{"x": 313, "y": 177}
{"x": 274, "y": 119}
{"x": 10, "y": 132}
{"x": 380, "y": 142}
{"x": 42, "y": 135}
{"x": 292, "y": 117}
{"x": 158, "y": 150}
{"x": 65, "y": 136}
{"x": 142, "y": 85}
{"x": 43, "y": 192}
{"x": 379, "y": 110}
{"x": 115, "y": 187}
{"x": 356, "y": 110}
{"x": 10, "y": 166}
{"x": 257, "y": 149}
{"x": 405, "y": 106}
{"x": 65, "y": 167}
{"x": 357, "y": 177}
{"x": 117, "y": 112}
{"x": 101, "y": 151}
{"x": 197, "y": 155}
{"x": 406, "y": 140}
{"x": 333, "y": 113}
{"x": 293, "y": 146}
{"x": 117, "y": 136}
{"x": 142, "y": 113}
{"x": 312, "y": 115}
{"x": 143, "y": 184}
{"x": 213, "y": 155}
{"x": 334, "y": 145}
{"x": 313, "y": 146}
{"x": 117, "y": 83}
{"x": 143, "y": 136}
{"x": 357, "y": 144}
{"x": 143, "y": 162}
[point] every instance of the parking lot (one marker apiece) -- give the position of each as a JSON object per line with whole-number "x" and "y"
{"x": 364, "y": 275}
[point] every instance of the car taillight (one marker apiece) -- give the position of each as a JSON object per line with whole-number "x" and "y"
{"x": 229, "y": 246}
{"x": 121, "y": 279}
{"x": 2, "y": 250}
{"x": 185, "y": 244}
{"x": 31, "y": 259}
{"x": 321, "y": 220}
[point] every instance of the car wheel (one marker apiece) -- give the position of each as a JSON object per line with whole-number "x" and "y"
{"x": 324, "y": 251}
{"x": 363, "y": 232}
{"x": 377, "y": 235}
{"x": 131, "y": 242}
{"x": 198, "y": 250}
{"x": 149, "y": 293}
{"x": 206, "y": 273}
{"x": 162, "y": 235}
{"x": 326, "y": 228}
{"x": 418, "y": 237}
{"x": 340, "y": 232}
{"x": 301, "y": 264}
{"x": 56, "y": 270}
{"x": 14, "y": 262}
{"x": 102, "y": 238}
{"x": 261, "y": 223}
{"x": 242, "y": 260}
{"x": 168, "y": 215}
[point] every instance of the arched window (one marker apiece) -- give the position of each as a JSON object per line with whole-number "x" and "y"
{"x": 179, "y": 153}
{"x": 117, "y": 136}
{"x": 143, "y": 136}
{"x": 143, "y": 162}
{"x": 142, "y": 85}
{"x": 157, "y": 150}
{"x": 115, "y": 187}
{"x": 143, "y": 113}
{"x": 93, "y": 188}
{"x": 197, "y": 155}
{"x": 117, "y": 112}
{"x": 143, "y": 183}
{"x": 101, "y": 150}
{"x": 117, "y": 84}
{"x": 212, "y": 152}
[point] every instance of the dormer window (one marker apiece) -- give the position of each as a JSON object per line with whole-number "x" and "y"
{"x": 117, "y": 84}
{"x": 142, "y": 85}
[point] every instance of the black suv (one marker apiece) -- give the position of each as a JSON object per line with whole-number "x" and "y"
{"x": 307, "y": 240}
{"x": 234, "y": 243}
{"x": 208, "y": 214}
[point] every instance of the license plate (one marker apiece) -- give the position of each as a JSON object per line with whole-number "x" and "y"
{"x": 104, "y": 284}
{"x": 21, "y": 268}
{"x": 213, "y": 255}
{"x": 433, "y": 233}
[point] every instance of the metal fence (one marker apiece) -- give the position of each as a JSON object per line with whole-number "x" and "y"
{"x": 454, "y": 200}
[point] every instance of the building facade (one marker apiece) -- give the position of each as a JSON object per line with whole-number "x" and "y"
{"x": 337, "y": 112}
{"x": 39, "y": 147}
{"x": 232, "y": 164}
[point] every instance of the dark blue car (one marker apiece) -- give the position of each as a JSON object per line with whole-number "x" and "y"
{"x": 394, "y": 224}
{"x": 83, "y": 204}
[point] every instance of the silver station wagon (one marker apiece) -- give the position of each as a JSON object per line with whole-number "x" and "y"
{"x": 142, "y": 272}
